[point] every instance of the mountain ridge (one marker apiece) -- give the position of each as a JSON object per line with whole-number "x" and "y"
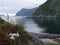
{"x": 50, "y": 7}
{"x": 50, "y": 18}
{"x": 26, "y": 12}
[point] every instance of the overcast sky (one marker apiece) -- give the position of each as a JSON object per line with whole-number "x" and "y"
{"x": 13, "y": 6}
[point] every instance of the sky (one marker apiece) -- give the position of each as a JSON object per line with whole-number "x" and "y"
{"x": 13, "y": 6}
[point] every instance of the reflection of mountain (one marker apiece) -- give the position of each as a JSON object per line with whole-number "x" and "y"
{"x": 26, "y": 12}
{"x": 50, "y": 18}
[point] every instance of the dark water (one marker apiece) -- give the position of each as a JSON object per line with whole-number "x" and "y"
{"x": 30, "y": 25}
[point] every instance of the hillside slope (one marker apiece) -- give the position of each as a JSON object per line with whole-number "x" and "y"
{"x": 7, "y": 28}
{"x": 51, "y": 16}
{"x": 26, "y": 12}
{"x": 50, "y": 7}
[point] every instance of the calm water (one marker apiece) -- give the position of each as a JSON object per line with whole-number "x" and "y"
{"x": 30, "y": 25}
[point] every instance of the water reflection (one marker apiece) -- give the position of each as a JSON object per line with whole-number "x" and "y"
{"x": 30, "y": 24}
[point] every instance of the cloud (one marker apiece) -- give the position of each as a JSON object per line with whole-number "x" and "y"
{"x": 20, "y": 3}
{"x": 16, "y": 5}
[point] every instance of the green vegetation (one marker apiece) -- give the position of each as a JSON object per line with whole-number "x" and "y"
{"x": 7, "y": 28}
{"x": 53, "y": 44}
{"x": 44, "y": 9}
{"x": 52, "y": 8}
{"x": 49, "y": 8}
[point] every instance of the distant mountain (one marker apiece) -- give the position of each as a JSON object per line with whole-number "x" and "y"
{"x": 26, "y": 12}
{"x": 1, "y": 14}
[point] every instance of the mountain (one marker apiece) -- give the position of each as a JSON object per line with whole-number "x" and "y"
{"x": 50, "y": 7}
{"x": 1, "y": 14}
{"x": 26, "y": 12}
{"x": 49, "y": 13}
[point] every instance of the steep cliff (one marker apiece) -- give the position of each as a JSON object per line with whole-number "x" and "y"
{"x": 50, "y": 7}
{"x": 51, "y": 16}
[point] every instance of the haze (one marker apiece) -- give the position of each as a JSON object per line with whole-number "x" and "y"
{"x": 13, "y": 6}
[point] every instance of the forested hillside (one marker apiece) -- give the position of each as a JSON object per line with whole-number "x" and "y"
{"x": 50, "y": 7}
{"x": 49, "y": 13}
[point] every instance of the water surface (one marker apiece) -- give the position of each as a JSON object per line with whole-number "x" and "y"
{"x": 30, "y": 24}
